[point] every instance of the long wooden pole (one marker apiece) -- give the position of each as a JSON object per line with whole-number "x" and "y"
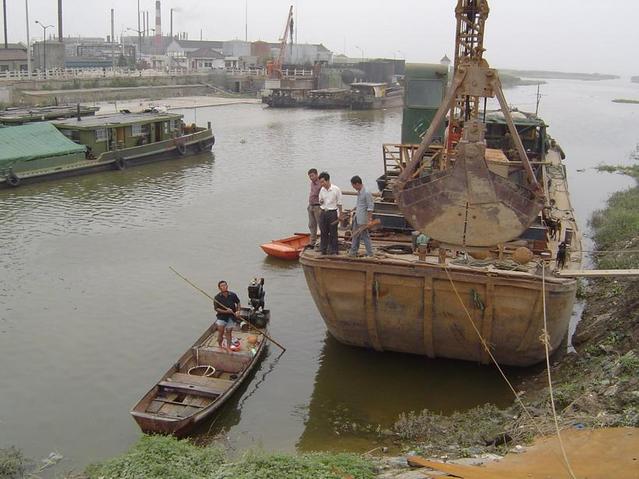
{"x": 221, "y": 305}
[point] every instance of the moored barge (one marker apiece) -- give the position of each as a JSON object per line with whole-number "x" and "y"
{"x": 41, "y": 151}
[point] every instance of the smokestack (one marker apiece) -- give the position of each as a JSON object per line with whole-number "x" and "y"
{"x": 158, "y": 19}
{"x": 60, "y": 20}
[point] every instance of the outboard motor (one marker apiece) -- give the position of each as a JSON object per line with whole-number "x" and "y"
{"x": 257, "y": 315}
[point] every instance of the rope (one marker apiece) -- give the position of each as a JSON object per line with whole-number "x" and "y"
{"x": 503, "y": 375}
{"x": 546, "y": 340}
{"x": 485, "y": 345}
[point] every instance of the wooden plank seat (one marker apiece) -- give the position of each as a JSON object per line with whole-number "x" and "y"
{"x": 196, "y": 385}
{"x": 201, "y": 380}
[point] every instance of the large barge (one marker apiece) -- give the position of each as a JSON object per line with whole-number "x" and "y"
{"x": 494, "y": 230}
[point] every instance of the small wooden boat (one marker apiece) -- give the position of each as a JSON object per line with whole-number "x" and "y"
{"x": 287, "y": 248}
{"x": 198, "y": 383}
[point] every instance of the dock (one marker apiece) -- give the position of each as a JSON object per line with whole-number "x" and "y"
{"x": 598, "y": 273}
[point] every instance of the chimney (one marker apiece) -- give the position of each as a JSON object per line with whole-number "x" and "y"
{"x": 158, "y": 23}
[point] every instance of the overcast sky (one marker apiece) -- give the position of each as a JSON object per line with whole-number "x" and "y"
{"x": 568, "y": 35}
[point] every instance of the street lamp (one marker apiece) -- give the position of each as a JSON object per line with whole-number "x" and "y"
{"x": 139, "y": 32}
{"x": 44, "y": 43}
{"x": 362, "y": 51}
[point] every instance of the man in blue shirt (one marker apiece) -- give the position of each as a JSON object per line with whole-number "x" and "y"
{"x": 363, "y": 216}
{"x": 227, "y": 307}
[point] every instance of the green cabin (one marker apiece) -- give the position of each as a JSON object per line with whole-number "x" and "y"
{"x": 425, "y": 88}
{"x": 119, "y": 131}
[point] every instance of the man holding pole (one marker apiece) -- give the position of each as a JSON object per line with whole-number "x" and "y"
{"x": 227, "y": 307}
{"x": 363, "y": 217}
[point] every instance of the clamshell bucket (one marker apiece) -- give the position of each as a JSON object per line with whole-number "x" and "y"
{"x": 468, "y": 204}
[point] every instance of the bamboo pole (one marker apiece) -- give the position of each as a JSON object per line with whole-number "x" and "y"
{"x": 218, "y": 303}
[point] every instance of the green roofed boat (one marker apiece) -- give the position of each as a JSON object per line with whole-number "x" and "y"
{"x": 47, "y": 150}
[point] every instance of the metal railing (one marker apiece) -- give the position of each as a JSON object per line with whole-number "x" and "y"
{"x": 91, "y": 73}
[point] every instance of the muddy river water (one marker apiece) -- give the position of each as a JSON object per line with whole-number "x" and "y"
{"x": 91, "y": 315}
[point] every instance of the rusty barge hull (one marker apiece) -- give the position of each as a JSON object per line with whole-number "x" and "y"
{"x": 389, "y": 305}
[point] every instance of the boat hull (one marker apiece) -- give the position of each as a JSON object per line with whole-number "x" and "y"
{"x": 287, "y": 248}
{"x": 182, "y": 424}
{"x": 193, "y": 144}
{"x": 387, "y": 306}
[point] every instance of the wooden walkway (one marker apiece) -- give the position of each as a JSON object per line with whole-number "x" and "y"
{"x": 598, "y": 273}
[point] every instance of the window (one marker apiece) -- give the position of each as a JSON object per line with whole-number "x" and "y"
{"x": 136, "y": 130}
{"x": 166, "y": 127}
{"x": 101, "y": 134}
{"x": 172, "y": 125}
{"x": 4, "y": 68}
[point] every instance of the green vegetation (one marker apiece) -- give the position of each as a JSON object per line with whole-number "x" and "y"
{"x": 12, "y": 463}
{"x": 625, "y": 100}
{"x": 169, "y": 458}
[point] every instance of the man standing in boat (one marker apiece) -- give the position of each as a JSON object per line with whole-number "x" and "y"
{"x": 313, "y": 208}
{"x": 330, "y": 198}
{"x": 363, "y": 216}
{"x": 227, "y": 307}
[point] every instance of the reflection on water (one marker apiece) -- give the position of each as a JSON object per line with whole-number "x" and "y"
{"x": 355, "y": 388}
{"x": 91, "y": 315}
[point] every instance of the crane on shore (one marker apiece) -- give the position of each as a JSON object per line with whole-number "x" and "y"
{"x": 274, "y": 67}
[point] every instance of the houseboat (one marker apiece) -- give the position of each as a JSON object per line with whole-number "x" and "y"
{"x": 81, "y": 145}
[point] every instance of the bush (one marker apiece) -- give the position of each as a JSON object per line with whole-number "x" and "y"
{"x": 161, "y": 457}
{"x": 12, "y": 463}
{"x": 313, "y": 466}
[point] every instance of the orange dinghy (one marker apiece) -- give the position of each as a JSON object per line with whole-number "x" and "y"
{"x": 287, "y": 248}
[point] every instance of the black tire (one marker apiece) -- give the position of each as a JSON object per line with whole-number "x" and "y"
{"x": 212, "y": 140}
{"x": 13, "y": 180}
{"x": 201, "y": 146}
{"x": 120, "y": 164}
{"x": 181, "y": 148}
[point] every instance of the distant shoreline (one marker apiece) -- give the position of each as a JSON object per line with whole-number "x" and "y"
{"x": 625, "y": 100}
{"x": 561, "y": 75}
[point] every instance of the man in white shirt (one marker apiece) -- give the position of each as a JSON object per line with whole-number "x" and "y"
{"x": 330, "y": 198}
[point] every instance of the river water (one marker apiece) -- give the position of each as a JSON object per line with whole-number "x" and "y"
{"x": 91, "y": 315}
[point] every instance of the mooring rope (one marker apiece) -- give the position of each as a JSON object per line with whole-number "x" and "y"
{"x": 503, "y": 375}
{"x": 492, "y": 357}
{"x": 546, "y": 341}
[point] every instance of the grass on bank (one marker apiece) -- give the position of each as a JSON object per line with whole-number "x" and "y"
{"x": 13, "y": 464}
{"x": 169, "y": 458}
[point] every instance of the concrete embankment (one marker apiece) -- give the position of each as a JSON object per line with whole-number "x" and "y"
{"x": 89, "y": 90}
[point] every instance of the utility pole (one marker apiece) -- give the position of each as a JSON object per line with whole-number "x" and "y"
{"x": 26, "y": 7}
{"x": 139, "y": 35}
{"x": 60, "y": 21}
{"x": 112, "y": 40}
{"x": 246, "y": 20}
{"x": 4, "y": 16}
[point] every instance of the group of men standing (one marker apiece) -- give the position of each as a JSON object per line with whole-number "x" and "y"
{"x": 325, "y": 211}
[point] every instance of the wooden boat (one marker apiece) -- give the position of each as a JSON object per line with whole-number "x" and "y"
{"x": 197, "y": 384}
{"x": 61, "y": 148}
{"x": 287, "y": 248}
